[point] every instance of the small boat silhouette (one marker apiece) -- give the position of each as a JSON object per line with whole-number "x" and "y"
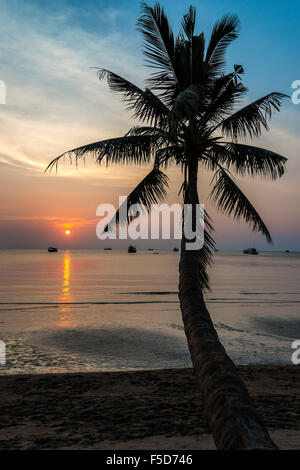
{"x": 250, "y": 251}
{"x": 52, "y": 249}
{"x": 131, "y": 249}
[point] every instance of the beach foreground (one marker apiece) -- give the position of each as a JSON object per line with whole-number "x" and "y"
{"x": 157, "y": 409}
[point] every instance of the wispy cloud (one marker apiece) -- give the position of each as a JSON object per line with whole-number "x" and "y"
{"x": 54, "y": 98}
{"x": 51, "y": 221}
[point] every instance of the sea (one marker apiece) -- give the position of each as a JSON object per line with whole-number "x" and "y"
{"x": 81, "y": 311}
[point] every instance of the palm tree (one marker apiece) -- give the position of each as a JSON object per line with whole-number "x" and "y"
{"x": 190, "y": 118}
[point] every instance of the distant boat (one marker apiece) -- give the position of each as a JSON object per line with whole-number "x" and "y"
{"x": 107, "y": 248}
{"x": 52, "y": 249}
{"x": 250, "y": 251}
{"x": 175, "y": 248}
{"x": 287, "y": 251}
{"x": 131, "y": 249}
{"x": 150, "y": 249}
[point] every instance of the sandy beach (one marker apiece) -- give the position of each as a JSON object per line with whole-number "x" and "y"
{"x": 158, "y": 409}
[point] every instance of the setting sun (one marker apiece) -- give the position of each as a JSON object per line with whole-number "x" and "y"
{"x": 67, "y": 233}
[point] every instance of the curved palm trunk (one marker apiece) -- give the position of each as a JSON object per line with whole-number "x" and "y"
{"x": 229, "y": 409}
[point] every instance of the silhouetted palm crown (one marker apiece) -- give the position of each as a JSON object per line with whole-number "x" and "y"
{"x": 189, "y": 113}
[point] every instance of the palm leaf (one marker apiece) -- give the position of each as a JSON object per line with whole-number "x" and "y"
{"x": 206, "y": 252}
{"x": 246, "y": 159}
{"x": 161, "y": 134}
{"x": 231, "y": 200}
{"x": 182, "y": 65}
{"x": 137, "y": 149}
{"x": 149, "y": 191}
{"x": 222, "y": 95}
{"x": 166, "y": 149}
{"x": 250, "y": 119}
{"x": 158, "y": 48}
{"x": 198, "y": 67}
{"x": 170, "y": 154}
{"x": 188, "y": 22}
{"x": 224, "y": 32}
{"x": 146, "y": 106}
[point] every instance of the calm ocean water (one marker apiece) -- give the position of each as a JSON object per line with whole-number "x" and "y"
{"x": 110, "y": 310}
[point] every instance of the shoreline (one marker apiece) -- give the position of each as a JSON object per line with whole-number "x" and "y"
{"x": 146, "y": 409}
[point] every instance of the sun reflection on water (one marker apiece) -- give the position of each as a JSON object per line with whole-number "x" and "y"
{"x": 65, "y": 319}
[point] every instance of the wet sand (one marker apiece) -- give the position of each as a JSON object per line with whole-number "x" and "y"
{"x": 159, "y": 409}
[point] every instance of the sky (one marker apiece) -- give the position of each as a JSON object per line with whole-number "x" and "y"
{"x": 55, "y": 102}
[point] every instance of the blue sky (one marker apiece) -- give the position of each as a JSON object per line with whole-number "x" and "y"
{"x": 269, "y": 34}
{"x": 268, "y": 45}
{"x": 55, "y": 102}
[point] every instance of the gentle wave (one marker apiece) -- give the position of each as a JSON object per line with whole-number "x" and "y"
{"x": 176, "y": 293}
{"x": 269, "y": 293}
{"x": 137, "y": 302}
{"x": 244, "y": 331}
{"x": 147, "y": 293}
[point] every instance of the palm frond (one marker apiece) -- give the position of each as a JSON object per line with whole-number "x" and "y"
{"x": 206, "y": 252}
{"x": 188, "y": 22}
{"x": 250, "y": 160}
{"x": 150, "y": 190}
{"x": 170, "y": 154}
{"x": 146, "y": 106}
{"x": 137, "y": 149}
{"x": 223, "y": 94}
{"x": 198, "y": 66}
{"x": 224, "y": 32}
{"x": 158, "y": 48}
{"x": 231, "y": 200}
{"x": 160, "y": 133}
{"x": 166, "y": 151}
{"x": 251, "y": 118}
{"x": 182, "y": 66}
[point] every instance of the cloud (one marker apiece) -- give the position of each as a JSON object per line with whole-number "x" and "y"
{"x": 50, "y": 220}
{"x": 54, "y": 98}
